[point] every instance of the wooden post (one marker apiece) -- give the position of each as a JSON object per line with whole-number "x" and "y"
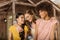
{"x": 54, "y": 12}
{"x": 4, "y": 3}
{"x": 13, "y": 10}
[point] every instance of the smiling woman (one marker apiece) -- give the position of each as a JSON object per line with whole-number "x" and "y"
{"x": 46, "y": 24}
{"x": 16, "y": 29}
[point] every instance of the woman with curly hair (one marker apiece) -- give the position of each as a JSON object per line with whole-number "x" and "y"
{"x": 46, "y": 24}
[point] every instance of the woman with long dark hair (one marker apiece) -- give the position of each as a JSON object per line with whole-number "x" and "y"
{"x": 16, "y": 31}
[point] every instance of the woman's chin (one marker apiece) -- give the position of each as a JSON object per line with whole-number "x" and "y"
{"x": 42, "y": 17}
{"x": 22, "y": 23}
{"x": 30, "y": 20}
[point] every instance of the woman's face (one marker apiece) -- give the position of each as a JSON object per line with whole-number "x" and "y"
{"x": 20, "y": 19}
{"x": 43, "y": 14}
{"x": 28, "y": 17}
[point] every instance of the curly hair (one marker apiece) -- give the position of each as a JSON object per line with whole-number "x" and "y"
{"x": 45, "y": 6}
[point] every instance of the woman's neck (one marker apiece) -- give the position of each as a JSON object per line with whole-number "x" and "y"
{"x": 47, "y": 18}
{"x": 18, "y": 24}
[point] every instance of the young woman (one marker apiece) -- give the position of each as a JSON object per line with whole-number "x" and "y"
{"x": 30, "y": 25}
{"x": 46, "y": 25}
{"x": 16, "y": 30}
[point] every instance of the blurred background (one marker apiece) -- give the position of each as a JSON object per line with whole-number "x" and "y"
{"x": 56, "y": 2}
{"x": 9, "y": 8}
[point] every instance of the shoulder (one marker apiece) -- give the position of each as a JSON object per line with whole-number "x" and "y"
{"x": 38, "y": 20}
{"x": 11, "y": 27}
{"x": 54, "y": 20}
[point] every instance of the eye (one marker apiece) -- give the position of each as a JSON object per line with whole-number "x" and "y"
{"x": 27, "y": 16}
{"x": 21, "y": 17}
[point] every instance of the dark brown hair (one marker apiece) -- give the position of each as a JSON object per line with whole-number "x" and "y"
{"x": 18, "y": 14}
{"x": 45, "y": 6}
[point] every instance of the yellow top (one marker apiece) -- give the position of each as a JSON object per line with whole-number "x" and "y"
{"x": 15, "y": 33}
{"x": 26, "y": 29}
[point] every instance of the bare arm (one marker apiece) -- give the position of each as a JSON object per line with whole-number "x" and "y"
{"x": 9, "y": 36}
{"x": 25, "y": 35}
{"x": 53, "y": 31}
{"x": 36, "y": 32}
{"x": 56, "y": 31}
{"x": 52, "y": 35}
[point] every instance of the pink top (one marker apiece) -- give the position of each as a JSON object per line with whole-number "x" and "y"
{"x": 45, "y": 27}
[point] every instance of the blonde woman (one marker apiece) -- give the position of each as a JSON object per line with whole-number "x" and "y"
{"x": 30, "y": 25}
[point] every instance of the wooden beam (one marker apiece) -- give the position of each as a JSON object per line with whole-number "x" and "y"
{"x": 3, "y": 9}
{"x": 22, "y": 3}
{"x": 4, "y": 3}
{"x": 39, "y": 2}
{"x": 13, "y": 10}
{"x": 56, "y": 8}
{"x": 54, "y": 12}
{"x": 54, "y": 5}
{"x": 31, "y": 2}
{"x": 13, "y": 0}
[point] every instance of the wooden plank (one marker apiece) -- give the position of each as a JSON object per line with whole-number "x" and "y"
{"x": 31, "y": 2}
{"x": 4, "y": 3}
{"x": 13, "y": 10}
{"x": 38, "y": 3}
{"x": 22, "y": 3}
{"x": 54, "y": 12}
{"x": 3, "y": 9}
{"x": 54, "y": 5}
